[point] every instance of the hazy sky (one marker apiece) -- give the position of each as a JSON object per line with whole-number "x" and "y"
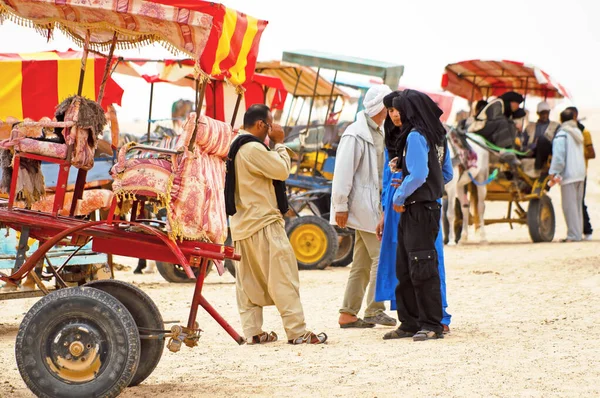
{"x": 560, "y": 36}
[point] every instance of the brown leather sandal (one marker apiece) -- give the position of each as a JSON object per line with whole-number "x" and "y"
{"x": 309, "y": 338}
{"x": 263, "y": 338}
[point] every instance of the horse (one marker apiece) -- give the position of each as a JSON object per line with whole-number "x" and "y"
{"x": 474, "y": 166}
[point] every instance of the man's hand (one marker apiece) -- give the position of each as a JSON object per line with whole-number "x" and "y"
{"x": 341, "y": 219}
{"x": 276, "y": 134}
{"x": 399, "y": 209}
{"x": 396, "y": 182}
{"x": 379, "y": 229}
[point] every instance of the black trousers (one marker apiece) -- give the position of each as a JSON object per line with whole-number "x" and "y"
{"x": 542, "y": 152}
{"x": 418, "y": 292}
{"x": 587, "y": 226}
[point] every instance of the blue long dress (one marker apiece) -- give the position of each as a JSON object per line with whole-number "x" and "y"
{"x": 385, "y": 288}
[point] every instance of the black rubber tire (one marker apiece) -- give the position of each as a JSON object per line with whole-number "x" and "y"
{"x": 345, "y": 253}
{"x": 331, "y": 241}
{"x": 107, "y": 324}
{"x": 146, "y": 315}
{"x": 541, "y": 230}
{"x": 175, "y": 274}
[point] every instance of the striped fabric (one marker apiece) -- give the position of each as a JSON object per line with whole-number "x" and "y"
{"x": 479, "y": 79}
{"x": 31, "y": 85}
{"x": 232, "y": 46}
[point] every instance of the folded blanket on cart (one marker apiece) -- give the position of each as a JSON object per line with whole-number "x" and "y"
{"x": 189, "y": 184}
{"x": 93, "y": 199}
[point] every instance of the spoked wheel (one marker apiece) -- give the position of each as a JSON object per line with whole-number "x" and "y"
{"x": 345, "y": 252}
{"x": 314, "y": 241}
{"x": 146, "y": 315}
{"x": 175, "y": 273}
{"x": 78, "y": 342}
{"x": 541, "y": 219}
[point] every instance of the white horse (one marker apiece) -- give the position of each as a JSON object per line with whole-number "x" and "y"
{"x": 458, "y": 188}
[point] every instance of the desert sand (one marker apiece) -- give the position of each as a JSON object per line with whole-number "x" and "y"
{"x": 526, "y": 323}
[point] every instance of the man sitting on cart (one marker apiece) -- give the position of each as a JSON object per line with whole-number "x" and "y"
{"x": 494, "y": 122}
{"x": 538, "y": 136}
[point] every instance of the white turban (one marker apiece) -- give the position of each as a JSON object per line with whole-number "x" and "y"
{"x": 373, "y": 101}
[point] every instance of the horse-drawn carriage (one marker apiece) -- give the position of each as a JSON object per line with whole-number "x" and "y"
{"x": 508, "y": 175}
{"x": 97, "y": 338}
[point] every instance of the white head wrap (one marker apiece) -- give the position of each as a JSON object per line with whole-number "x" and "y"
{"x": 373, "y": 101}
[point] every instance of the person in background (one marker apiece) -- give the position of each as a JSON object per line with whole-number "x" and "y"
{"x": 255, "y": 200}
{"x": 356, "y": 203}
{"x": 538, "y": 136}
{"x": 387, "y": 229}
{"x": 422, "y": 149}
{"x": 568, "y": 170}
{"x": 589, "y": 153}
{"x": 494, "y": 122}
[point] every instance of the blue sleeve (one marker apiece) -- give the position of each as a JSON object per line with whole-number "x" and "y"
{"x": 416, "y": 163}
{"x": 447, "y": 169}
{"x": 386, "y": 180}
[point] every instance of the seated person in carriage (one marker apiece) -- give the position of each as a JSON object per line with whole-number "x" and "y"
{"x": 494, "y": 122}
{"x": 538, "y": 136}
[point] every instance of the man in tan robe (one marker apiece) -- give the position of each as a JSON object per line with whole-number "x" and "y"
{"x": 267, "y": 273}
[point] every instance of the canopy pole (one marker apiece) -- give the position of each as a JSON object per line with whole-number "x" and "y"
{"x": 331, "y": 95}
{"x": 150, "y": 111}
{"x": 200, "y": 91}
{"x": 293, "y": 98}
{"x": 107, "y": 70}
{"x": 84, "y": 58}
{"x": 312, "y": 100}
{"x": 238, "y": 101}
{"x": 525, "y": 93}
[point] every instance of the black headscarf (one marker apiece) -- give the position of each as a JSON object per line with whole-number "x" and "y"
{"x": 392, "y": 132}
{"x": 507, "y": 98}
{"x": 418, "y": 112}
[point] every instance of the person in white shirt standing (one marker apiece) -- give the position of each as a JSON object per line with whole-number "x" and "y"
{"x": 356, "y": 203}
{"x": 568, "y": 170}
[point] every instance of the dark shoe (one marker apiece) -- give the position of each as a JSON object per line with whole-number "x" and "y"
{"x": 397, "y": 334}
{"x": 381, "y": 319}
{"x": 423, "y": 335}
{"x": 358, "y": 324}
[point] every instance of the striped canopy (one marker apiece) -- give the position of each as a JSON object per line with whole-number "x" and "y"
{"x": 232, "y": 47}
{"x": 223, "y": 40}
{"x": 31, "y": 85}
{"x": 479, "y": 79}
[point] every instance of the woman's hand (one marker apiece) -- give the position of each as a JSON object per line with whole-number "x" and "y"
{"x": 392, "y": 163}
{"x": 400, "y": 209}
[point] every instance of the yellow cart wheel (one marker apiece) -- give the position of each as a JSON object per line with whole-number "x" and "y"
{"x": 314, "y": 241}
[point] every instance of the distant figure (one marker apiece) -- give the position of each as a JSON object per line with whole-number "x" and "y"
{"x": 589, "y": 153}
{"x": 538, "y": 136}
{"x": 494, "y": 122}
{"x": 180, "y": 111}
{"x": 568, "y": 170}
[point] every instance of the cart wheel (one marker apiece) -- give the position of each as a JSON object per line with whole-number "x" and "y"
{"x": 345, "y": 252}
{"x": 314, "y": 241}
{"x": 78, "y": 342}
{"x": 174, "y": 273}
{"x": 541, "y": 219}
{"x": 146, "y": 315}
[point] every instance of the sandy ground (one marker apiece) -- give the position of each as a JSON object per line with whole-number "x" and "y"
{"x": 525, "y": 323}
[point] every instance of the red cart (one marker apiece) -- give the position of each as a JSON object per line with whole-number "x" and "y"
{"x": 102, "y": 336}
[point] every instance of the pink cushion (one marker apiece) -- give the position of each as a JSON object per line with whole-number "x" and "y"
{"x": 43, "y": 148}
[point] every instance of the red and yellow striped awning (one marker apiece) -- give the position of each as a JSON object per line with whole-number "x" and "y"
{"x": 32, "y": 85}
{"x": 232, "y": 47}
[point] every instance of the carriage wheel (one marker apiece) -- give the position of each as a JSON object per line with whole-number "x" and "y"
{"x": 146, "y": 315}
{"x": 314, "y": 241}
{"x": 345, "y": 252}
{"x": 77, "y": 342}
{"x": 175, "y": 273}
{"x": 541, "y": 219}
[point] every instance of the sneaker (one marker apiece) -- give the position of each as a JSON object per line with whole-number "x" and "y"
{"x": 587, "y": 237}
{"x": 381, "y": 319}
{"x": 423, "y": 335}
